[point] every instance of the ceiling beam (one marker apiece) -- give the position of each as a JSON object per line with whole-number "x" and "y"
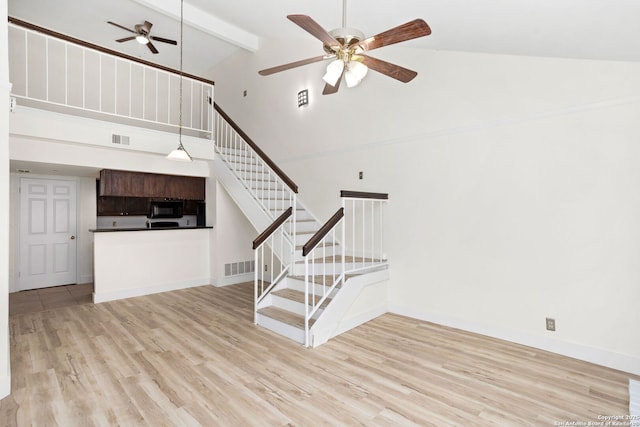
{"x": 204, "y": 21}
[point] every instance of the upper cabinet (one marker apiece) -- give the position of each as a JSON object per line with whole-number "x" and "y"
{"x": 139, "y": 184}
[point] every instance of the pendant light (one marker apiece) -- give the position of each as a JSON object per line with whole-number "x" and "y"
{"x": 180, "y": 153}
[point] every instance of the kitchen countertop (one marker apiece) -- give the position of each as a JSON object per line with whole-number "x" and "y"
{"x": 187, "y": 227}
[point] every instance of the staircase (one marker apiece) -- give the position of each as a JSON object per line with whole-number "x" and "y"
{"x": 313, "y": 271}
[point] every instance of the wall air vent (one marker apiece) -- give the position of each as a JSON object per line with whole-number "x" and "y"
{"x": 236, "y": 268}
{"x": 119, "y": 139}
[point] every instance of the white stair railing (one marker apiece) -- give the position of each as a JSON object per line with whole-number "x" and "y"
{"x": 274, "y": 192}
{"x": 351, "y": 242}
{"x": 274, "y": 250}
{"x": 364, "y": 230}
{"x": 269, "y": 186}
{"x": 324, "y": 264}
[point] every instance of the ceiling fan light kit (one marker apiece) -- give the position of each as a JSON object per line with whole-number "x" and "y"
{"x": 142, "y": 34}
{"x": 346, "y": 46}
{"x": 334, "y": 72}
{"x": 355, "y": 73}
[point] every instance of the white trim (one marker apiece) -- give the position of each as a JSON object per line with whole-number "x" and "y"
{"x": 353, "y": 322}
{"x": 233, "y": 280}
{"x": 147, "y": 290}
{"x": 610, "y": 359}
{"x": 634, "y": 402}
{"x": 5, "y": 386}
{"x": 7, "y": 86}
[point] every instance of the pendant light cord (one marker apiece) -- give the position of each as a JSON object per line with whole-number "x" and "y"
{"x": 181, "y": 47}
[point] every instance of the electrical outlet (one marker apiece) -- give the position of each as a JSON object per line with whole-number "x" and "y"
{"x": 265, "y": 267}
{"x": 551, "y": 324}
{"x": 360, "y": 175}
{"x": 113, "y": 224}
{"x": 244, "y": 93}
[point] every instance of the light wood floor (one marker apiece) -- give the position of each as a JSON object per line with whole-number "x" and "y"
{"x": 193, "y": 357}
{"x": 47, "y": 298}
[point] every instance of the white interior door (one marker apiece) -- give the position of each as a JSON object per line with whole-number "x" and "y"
{"x": 47, "y": 233}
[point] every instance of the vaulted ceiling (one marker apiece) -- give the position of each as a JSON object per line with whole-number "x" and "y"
{"x": 215, "y": 29}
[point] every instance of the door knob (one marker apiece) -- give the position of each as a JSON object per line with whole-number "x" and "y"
{"x": 73, "y": 237}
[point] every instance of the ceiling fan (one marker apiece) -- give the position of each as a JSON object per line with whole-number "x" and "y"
{"x": 143, "y": 35}
{"x": 346, "y": 46}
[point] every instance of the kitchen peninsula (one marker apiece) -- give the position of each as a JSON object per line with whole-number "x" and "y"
{"x": 135, "y": 262}
{"x": 152, "y": 235}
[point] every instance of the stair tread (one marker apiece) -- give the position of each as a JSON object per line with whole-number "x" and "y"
{"x": 297, "y": 296}
{"x": 283, "y": 316}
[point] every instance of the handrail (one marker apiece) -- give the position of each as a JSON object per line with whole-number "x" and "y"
{"x": 324, "y": 230}
{"x": 292, "y": 185}
{"x": 363, "y": 195}
{"x": 272, "y": 228}
{"x": 83, "y": 43}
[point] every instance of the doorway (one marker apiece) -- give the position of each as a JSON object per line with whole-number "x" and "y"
{"x": 47, "y": 236}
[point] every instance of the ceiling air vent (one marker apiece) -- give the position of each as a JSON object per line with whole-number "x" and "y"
{"x": 119, "y": 139}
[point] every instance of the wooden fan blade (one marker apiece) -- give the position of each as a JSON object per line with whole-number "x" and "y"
{"x": 120, "y": 26}
{"x": 163, "y": 40}
{"x": 126, "y": 39}
{"x": 313, "y": 28}
{"x": 410, "y": 30}
{"x": 152, "y": 48}
{"x": 388, "y": 69}
{"x": 147, "y": 26}
{"x": 290, "y": 65}
{"x": 329, "y": 90}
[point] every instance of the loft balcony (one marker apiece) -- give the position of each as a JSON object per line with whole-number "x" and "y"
{"x": 57, "y": 80}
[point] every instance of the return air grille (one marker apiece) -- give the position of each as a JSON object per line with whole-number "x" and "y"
{"x": 237, "y": 268}
{"x": 119, "y": 139}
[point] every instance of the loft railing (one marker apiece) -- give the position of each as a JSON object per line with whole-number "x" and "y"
{"x": 350, "y": 242}
{"x": 268, "y": 184}
{"x": 363, "y": 240}
{"x": 274, "y": 249}
{"x": 55, "y": 71}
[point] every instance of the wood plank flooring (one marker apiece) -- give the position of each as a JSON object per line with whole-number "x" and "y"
{"x": 194, "y": 358}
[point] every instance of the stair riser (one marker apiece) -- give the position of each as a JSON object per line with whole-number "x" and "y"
{"x": 298, "y": 285}
{"x": 303, "y": 226}
{"x": 281, "y": 328}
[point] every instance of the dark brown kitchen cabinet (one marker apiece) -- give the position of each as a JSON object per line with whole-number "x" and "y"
{"x": 121, "y": 183}
{"x": 113, "y": 206}
{"x": 149, "y": 185}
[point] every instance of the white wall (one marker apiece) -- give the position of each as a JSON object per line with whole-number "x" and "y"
{"x": 86, "y": 221}
{"x": 234, "y": 236}
{"x": 512, "y": 182}
{"x": 5, "y": 371}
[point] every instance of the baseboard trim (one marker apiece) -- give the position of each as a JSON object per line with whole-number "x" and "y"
{"x": 234, "y": 280}
{"x": 621, "y": 362}
{"x": 99, "y": 297}
{"x": 634, "y": 402}
{"x": 5, "y": 387}
{"x": 360, "y": 319}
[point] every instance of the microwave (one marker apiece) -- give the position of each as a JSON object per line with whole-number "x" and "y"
{"x": 165, "y": 209}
